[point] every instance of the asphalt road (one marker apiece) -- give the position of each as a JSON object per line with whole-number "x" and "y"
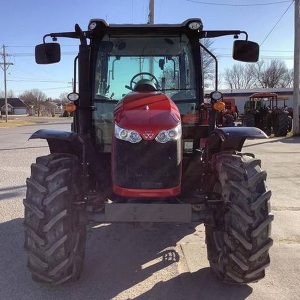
{"x": 162, "y": 262}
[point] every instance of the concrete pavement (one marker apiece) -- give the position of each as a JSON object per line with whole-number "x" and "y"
{"x": 163, "y": 262}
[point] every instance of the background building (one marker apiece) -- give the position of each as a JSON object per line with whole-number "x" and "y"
{"x": 285, "y": 96}
{"x": 15, "y": 106}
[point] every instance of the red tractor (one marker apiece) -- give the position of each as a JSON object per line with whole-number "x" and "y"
{"x": 145, "y": 148}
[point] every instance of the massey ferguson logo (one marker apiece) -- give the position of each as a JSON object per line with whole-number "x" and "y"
{"x": 148, "y": 135}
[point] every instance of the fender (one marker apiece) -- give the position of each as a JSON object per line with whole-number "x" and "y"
{"x": 60, "y": 141}
{"x": 73, "y": 143}
{"x": 232, "y": 138}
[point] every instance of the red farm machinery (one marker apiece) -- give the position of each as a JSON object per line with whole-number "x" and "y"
{"x": 144, "y": 148}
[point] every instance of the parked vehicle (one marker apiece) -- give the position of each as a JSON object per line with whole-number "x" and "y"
{"x": 262, "y": 111}
{"x": 145, "y": 148}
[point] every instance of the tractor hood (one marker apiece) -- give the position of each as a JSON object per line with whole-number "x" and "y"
{"x": 146, "y": 113}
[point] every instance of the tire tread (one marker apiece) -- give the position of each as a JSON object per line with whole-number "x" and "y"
{"x": 239, "y": 242}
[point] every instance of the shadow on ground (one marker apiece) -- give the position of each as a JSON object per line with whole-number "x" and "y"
{"x": 291, "y": 140}
{"x": 12, "y": 192}
{"x": 285, "y": 140}
{"x": 23, "y": 148}
{"x": 194, "y": 286}
{"x": 119, "y": 259}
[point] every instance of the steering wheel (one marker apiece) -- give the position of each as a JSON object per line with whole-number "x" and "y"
{"x": 132, "y": 81}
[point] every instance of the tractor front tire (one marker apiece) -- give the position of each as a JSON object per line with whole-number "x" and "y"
{"x": 239, "y": 241}
{"x": 54, "y": 221}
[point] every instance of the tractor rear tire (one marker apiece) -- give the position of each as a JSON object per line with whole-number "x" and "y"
{"x": 54, "y": 222}
{"x": 281, "y": 124}
{"x": 239, "y": 241}
{"x": 249, "y": 120}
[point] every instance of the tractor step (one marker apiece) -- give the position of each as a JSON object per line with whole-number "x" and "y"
{"x": 141, "y": 212}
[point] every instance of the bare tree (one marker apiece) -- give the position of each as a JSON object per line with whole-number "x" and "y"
{"x": 239, "y": 77}
{"x": 287, "y": 79}
{"x": 48, "y": 108}
{"x": 35, "y": 99}
{"x": 272, "y": 75}
{"x": 207, "y": 62}
{"x": 9, "y": 94}
{"x": 63, "y": 97}
{"x": 266, "y": 75}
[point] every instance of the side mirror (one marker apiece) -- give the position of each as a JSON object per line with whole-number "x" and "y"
{"x": 245, "y": 51}
{"x": 47, "y": 53}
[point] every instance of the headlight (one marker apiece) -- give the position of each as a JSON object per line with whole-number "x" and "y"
{"x": 169, "y": 135}
{"x": 127, "y": 135}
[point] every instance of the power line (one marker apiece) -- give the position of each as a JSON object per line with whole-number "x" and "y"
{"x": 58, "y": 88}
{"x": 239, "y": 5}
{"x": 277, "y": 23}
{"x": 24, "y": 54}
{"x": 46, "y": 89}
{"x": 265, "y": 50}
{"x": 28, "y": 54}
{"x": 34, "y": 80}
{"x": 261, "y": 57}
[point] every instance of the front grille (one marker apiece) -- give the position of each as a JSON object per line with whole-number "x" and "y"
{"x": 147, "y": 164}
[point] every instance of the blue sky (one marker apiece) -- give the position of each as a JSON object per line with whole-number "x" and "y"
{"x": 23, "y": 24}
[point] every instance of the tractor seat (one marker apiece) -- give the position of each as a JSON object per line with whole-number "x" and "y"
{"x": 145, "y": 85}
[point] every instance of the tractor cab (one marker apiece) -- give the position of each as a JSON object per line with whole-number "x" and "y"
{"x": 145, "y": 68}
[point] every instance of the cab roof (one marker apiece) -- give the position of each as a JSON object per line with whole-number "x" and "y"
{"x": 183, "y": 24}
{"x": 98, "y": 26}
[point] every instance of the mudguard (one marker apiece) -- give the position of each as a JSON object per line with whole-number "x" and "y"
{"x": 232, "y": 138}
{"x": 73, "y": 143}
{"x": 60, "y": 141}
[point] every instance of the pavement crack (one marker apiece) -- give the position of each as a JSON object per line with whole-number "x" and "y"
{"x": 284, "y": 208}
{"x": 289, "y": 240}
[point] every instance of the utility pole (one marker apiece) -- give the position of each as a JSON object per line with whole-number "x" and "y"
{"x": 151, "y": 12}
{"x": 296, "y": 130}
{"x": 151, "y": 21}
{"x": 4, "y": 67}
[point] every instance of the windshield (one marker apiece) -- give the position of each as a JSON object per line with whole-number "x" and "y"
{"x": 167, "y": 60}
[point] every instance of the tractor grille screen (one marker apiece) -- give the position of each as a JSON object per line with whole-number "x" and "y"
{"x": 147, "y": 165}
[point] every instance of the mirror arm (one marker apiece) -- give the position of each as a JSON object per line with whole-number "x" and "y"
{"x": 246, "y": 34}
{"x": 75, "y": 74}
{"x": 72, "y": 35}
{"x": 216, "y": 62}
{"x": 82, "y": 35}
{"x": 217, "y": 33}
